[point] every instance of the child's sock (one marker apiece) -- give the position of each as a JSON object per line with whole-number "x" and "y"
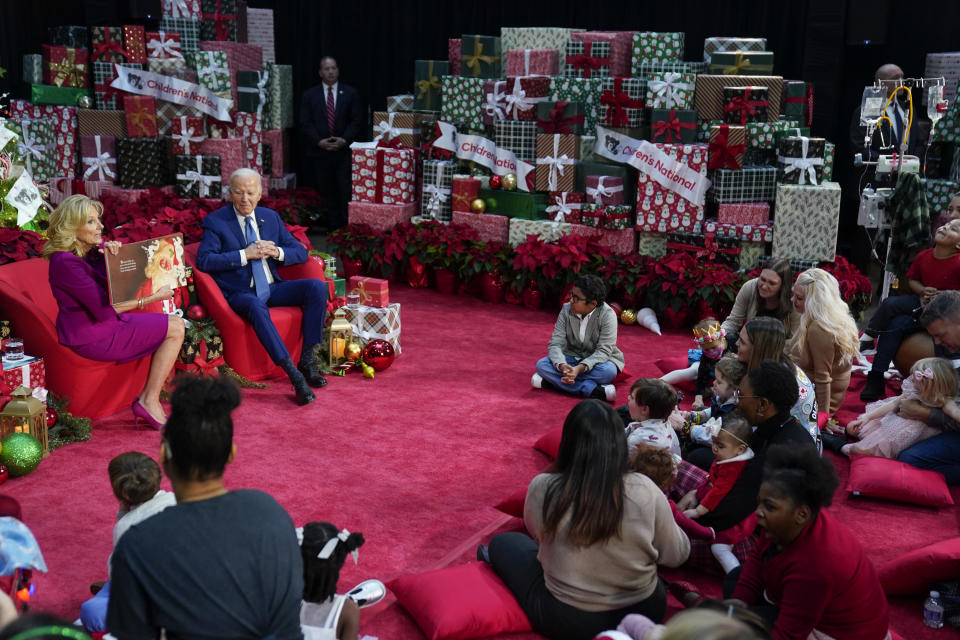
{"x": 724, "y": 555}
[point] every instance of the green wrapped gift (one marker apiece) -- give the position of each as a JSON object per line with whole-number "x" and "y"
{"x": 426, "y": 83}
{"x": 652, "y": 244}
{"x": 586, "y": 91}
{"x": 570, "y": 119}
{"x": 480, "y": 57}
{"x": 806, "y": 221}
{"x": 740, "y": 63}
{"x": 212, "y": 67}
{"x": 546, "y": 230}
{"x": 796, "y": 103}
{"x": 646, "y": 67}
{"x": 750, "y": 254}
{"x": 253, "y": 95}
{"x": 673, "y": 126}
{"x": 764, "y": 135}
{"x": 948, "y": 129}
{"x": 703, "y": 129}
{"x": 67, "y": 96}
{"x": 829, "y": 154}
{"x": 670, "y": 90}
{"x": 278, "y": 114}
{"x": 800, "y": 160}
{"x": 462, "y": 99}
{"x": 607, "y": 216}
{"x": 655, "y": 46}
{"x": 625, "y": 172}
{"x": 339, "y": 286}
{"x": 938, "y": 194}
{"x": 515, "y": 204}
{"x": 39, "y": 135}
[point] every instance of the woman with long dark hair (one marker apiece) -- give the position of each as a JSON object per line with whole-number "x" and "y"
{"x": 766, "y": 295}
{"x": 598, "y": 533}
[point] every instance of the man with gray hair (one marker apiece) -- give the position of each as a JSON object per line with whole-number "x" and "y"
{"x": 242, "y": 246}
{"x": 941, "y": 319}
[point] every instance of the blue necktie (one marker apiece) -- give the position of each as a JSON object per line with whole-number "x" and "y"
{"x": 898, "y": 119}
{"x": 259, "y": 275}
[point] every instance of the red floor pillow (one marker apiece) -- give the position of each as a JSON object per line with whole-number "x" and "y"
{"x": 914, "y": 572}
{"x": 875, "y": 477}
{"x": 512, "y": 505}
{"x": 467, "y": 601}
{"x": 550, "y": 443}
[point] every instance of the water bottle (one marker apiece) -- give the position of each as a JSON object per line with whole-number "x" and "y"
{"x": 933, "y": 611}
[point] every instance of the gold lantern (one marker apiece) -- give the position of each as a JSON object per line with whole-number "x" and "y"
{"x": 25, "y": 414}
{"x": 341, "y": 333}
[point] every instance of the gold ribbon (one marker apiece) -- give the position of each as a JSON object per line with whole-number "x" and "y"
{"x": 137, "y": 120}
{"x": 68, "y": 70}
{"x": 426, "y": 86}
{"x": 742, "y": 63}
{"x": 474, "y": 61}
{"x": 361, "y": 290}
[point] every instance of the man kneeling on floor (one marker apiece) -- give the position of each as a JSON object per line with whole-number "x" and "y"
{"x": 582, "y": 356}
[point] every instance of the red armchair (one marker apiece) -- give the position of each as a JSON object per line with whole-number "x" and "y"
{"x": 241, "y": 348}
{"x": 95, "y": 389}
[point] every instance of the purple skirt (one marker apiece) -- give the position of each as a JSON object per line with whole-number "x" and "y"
{"x": 136, "y": 335}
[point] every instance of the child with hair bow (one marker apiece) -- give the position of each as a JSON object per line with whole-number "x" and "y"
{"x": 883, "y": 432}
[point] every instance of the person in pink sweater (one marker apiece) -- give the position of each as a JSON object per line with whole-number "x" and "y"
{"x": 808, "y": 573}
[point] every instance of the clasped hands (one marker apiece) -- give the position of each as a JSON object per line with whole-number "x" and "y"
{"x": 569, "y": 374}
{"x": 332, "y": 143}
{"x": 261, "y": 249}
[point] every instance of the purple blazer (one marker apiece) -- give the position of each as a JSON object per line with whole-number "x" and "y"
{"x": 79, "y": 286}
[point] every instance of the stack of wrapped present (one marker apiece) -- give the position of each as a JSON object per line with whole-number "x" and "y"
{"x": 111, "y": 108}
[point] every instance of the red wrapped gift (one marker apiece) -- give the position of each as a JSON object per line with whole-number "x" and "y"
{"x": 727, "y": 145}
{"x": 65, "y": 66}
{"x": 490, "y": 227}
{"x": 163, "y": 44}
{"x": 181, "y": 9}
{"x": 240, "y": 57}
{"x": 221, "y": 129}
{"x": 373, "y": 292}
{"x": 380, "y": 217}
{"x": 249, "y": 126}
{"x": 564, "y": 206}
{"x": 29, "y": 372}
{"x": 187, "y": 133}
{"x": 514, "y": 99}
{"x": 141, "y": 115}
{"x": 454, "y": 51}
{"x": 384, "y": 175}
{"x": 107, "y": 44}
{"x": 605, "y": 189}
{"x": 61, "y": 188}
{"x": 620, "y": 242}
{"x": 131, "y": 196}
{"x": 617, "y": 101}
{"x": 280, "y": 150}
{"x": 533, "y": 62}
{"x": 98, "y": 158}
{"x": 135, "y": 43}
{"x": 663, "y": 210}
{"x": 465, "y": 190}
{"x": 66, "y": 129}
{"x": 232, "y": 152}
{"x": 621, "y": 47}
{"x": 587, "y": 62}
{"x": 754, "y": 213}
{"x": 746, "y": 232}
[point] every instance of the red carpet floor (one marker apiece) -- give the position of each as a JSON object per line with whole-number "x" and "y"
{"x": 414, "y": 459}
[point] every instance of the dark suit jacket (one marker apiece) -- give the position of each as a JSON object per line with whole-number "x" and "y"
{"x": 916, "y": 143}
{"x": 313, "y": 116}
{"x": 219, "y": 252}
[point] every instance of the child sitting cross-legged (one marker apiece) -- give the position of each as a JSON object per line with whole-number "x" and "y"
{"x": 711, "y": 343}
{"x": 731, "y": 451}
{"x": 651, "y": 402}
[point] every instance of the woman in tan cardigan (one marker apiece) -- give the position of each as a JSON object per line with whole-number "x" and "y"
{"x": 766, "y": 295}
{"x": 826, "y": 342}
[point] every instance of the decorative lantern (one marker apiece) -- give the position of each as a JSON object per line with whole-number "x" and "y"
{"x": 25, "y": 414}
{"x": 341, "y": 334}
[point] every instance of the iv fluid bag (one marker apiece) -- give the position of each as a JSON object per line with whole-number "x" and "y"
{"x": 871, "y": 105}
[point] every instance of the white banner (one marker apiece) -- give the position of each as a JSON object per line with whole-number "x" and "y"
{"x": 484, "y": 152}
{"x": 669, "y": 172}
{"x": 147, "y": 83}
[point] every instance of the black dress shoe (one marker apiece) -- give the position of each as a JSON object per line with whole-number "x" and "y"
{"x": 304, "y": 394}
{"x": 314, "y": 379}
{"x": 483, "y": 555}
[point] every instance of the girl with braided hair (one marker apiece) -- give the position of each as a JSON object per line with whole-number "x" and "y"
{"x": 325, "y": 614}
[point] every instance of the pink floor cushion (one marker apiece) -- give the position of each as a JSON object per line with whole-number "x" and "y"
{"x": 550, "y": 443}
{"x": 466, "y": 601}
{"x": 512, "y": 505}
{"x": 887, "y": 479}
{"x": 916, "y": 571}
{"x": 666, "y": 365}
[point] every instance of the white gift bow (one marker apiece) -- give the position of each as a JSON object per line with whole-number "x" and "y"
{"x": 563, "y": 209}
{"x": 387, "y": 130}
{"x": 164, "y": 47}
{"x": 438, "y": 194}
{"x": 197, "y": 176}
{"x": 555, "y": 163}
{"x": 332, "y": 543}
{"x": 669, "y": 88}
{"x": 492, "y": 106}
{"x": 602, "y": 191}
{"x": 261, "y": 89}
{"x": 186, "y": 135}
{"x": 99, "y": 163}
{"x": 178, "y": 8}
{"x": 518, "y": 100}
{"x": 29, "y": 149}
{"x": 806, "y": 166}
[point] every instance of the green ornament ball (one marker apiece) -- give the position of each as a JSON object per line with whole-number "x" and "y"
{"x": 21, "y": 453}
{"x": 491, "y": 204}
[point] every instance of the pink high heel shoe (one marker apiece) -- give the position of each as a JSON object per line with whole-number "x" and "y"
{"x": 140, "y": 413}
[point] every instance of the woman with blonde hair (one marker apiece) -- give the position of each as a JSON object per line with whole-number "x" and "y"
{"x": 88, "y": 323}
{"x": 826, "y": 341}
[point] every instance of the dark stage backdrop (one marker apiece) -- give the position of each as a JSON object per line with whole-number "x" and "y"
{"x": 376, "y": 42}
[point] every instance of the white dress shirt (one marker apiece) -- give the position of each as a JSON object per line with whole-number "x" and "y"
{"x": 326, "y": 93}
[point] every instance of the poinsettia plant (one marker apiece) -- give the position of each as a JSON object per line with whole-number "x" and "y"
{"x": 444, "y": 246}
{"x": 357, "y": 242}
{"x": 551, "y": 266}
{"x": 16, "y": 244}
{"x": 855, "y": 288}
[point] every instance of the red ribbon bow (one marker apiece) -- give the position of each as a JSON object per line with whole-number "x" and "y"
{"x": 200, "y": 364}
{"x": 556, "y": 123}
{"x": 723, "y": 155}
{"x": 670, "y": 127}
{"x": 100, "y": 49}
{"x": 745, "y": 106}
{"x": 618, "y": 102}
{"x": 587, "y": 63}
{"x": 808, "y": 99}
{"x": 220, "y": 22}
{"x": 710, "y": 248}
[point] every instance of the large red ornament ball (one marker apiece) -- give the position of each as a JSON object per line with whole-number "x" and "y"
{"x": 495, "y": 182}
{"x": 320, "y": 261}
{"x": 379, "y": 354}
{"x": 196, "y": 312}
{"x": 52, "y": 417}
{"x": 4, "y": 474}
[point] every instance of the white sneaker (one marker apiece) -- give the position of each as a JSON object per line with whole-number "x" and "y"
{"x": 536, "y": 381}
{"x": 611, "y": 392}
